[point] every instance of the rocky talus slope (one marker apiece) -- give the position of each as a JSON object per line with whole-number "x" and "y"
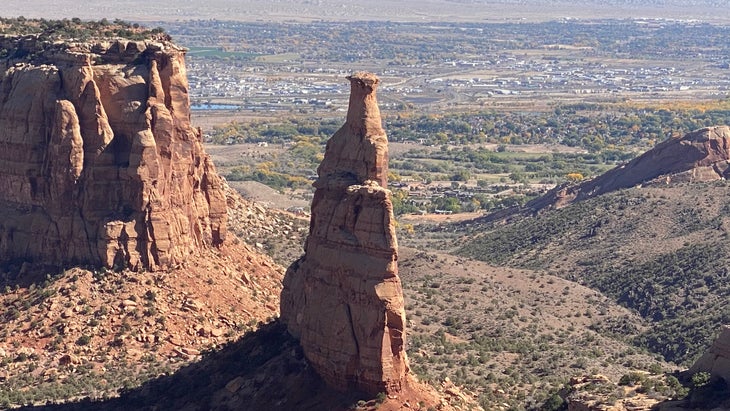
{"x": 89, "y": 332}
{"x": 703, "y": 155}
{"x": 99, "y": 163}
{"x": 343, "y": 298}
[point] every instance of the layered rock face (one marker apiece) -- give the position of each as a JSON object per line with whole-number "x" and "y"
{"x": 703, "y": 155}
{"x": 343, "y": 298}
{"x": 716, "y": 360}
{"x": 99, "y": 163}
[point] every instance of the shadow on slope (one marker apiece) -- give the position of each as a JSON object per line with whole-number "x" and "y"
{"x": 264, "y": 370}
{"x": 23, "y": 274}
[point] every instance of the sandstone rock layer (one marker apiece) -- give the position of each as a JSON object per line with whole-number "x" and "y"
{"x": 343, "y": 298}
{"x": 99, "y": 163}
{"x": 716, "y": 360}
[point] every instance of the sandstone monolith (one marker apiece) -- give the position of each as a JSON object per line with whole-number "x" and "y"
{"x": 343, "y": 299}
{"x": 99, "y": 163}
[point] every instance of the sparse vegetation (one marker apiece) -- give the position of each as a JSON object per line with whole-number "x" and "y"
{"x": 77, "y": 29}
{"x": 677, "y": 288}
{"x": 80, "y": 334}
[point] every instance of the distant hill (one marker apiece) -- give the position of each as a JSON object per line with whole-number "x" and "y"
{"x": 660, "y": 249}
{"x": 703, "y": 155}
{"x": 631, "y": 3}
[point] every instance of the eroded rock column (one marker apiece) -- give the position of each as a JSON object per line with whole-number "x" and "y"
{"x": 343, "y": 298}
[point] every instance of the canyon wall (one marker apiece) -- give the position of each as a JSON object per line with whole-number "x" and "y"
{"x": 343, "y": 299}
{"x": 99, "y": 163}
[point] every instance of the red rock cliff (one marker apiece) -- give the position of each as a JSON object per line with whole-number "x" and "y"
{"x": 343, "y": 298}
{"x": 99, "y": 163}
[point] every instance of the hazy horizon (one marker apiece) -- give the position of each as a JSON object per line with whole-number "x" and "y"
{"x": 342, "y": 10}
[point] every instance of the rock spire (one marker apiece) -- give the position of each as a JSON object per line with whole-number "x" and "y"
{"x": 99, "y": 163}
{"x": 343, "y": 299}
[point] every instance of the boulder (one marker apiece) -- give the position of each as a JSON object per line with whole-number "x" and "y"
{"x": 716, "y": 360}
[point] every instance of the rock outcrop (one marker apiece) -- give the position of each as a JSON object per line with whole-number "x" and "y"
{"x": 716, "y": 360}
{"x": 343, "y": 298}
{"x": 99, "y": 163}
{"x": 703, "y": 155}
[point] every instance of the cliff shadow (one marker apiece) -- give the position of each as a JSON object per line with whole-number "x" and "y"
{"x": 264, "y": 370}
{"x": 20, "y": 273}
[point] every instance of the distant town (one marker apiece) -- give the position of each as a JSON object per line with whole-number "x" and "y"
{"x": 294, "y": 67}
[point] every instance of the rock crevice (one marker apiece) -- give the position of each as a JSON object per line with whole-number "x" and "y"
{"x": 343, "y": 299}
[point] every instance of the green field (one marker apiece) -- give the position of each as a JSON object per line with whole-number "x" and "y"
{"x": 217, "y": 52}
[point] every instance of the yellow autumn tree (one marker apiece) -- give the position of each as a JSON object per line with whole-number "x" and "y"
{"x": 574, "y": 177}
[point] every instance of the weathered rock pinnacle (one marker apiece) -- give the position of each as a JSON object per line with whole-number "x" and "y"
{"x": 99, "y": 163}
{"x": 343, "y": 299}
